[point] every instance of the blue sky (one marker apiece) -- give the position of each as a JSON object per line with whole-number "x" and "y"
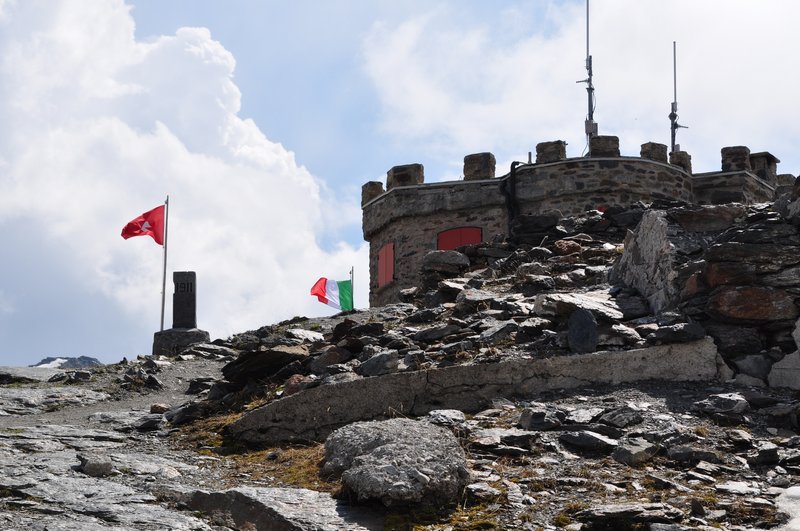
{"x": 262, "y": 119}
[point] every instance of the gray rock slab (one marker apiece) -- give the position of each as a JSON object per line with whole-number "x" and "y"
{"x": 786, "y": 373}
{"x": 563, "y": 304}
{"x": 789, "y": 502}
{"x": 634, "y": 452}
{"x": 26, "y": 374}
{"x": 313, "y": 413}
{"x": 31, "y": 401}
{"x": 277, "y": 509}
{"x": 588, "y": 440}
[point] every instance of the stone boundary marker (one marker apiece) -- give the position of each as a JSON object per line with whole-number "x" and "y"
{"x": 314, "y": 413}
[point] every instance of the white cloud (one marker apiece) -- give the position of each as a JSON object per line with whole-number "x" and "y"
{"x": 99, "y": 127}
{"x": 451, "y": 87}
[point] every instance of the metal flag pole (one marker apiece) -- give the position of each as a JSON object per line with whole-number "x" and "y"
{"x": 164, "y": 277}
{"x": 352, "y": 287}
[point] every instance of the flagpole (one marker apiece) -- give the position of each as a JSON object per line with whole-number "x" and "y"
{"x": 164, "y": 277}
{"x": 352, "y": 288}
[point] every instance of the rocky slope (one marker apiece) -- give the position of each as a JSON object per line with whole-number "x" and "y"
{"x": 526, "y": 392}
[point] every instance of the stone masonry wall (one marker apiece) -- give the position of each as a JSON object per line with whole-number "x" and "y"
{"x": 414, "y": 236}
{"x": 576, "y": 185}
{"x": 717, "y": 188}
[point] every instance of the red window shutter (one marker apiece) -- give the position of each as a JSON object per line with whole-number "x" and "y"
{"x": 450, "y": 239}
{"x": 386, "y": 264}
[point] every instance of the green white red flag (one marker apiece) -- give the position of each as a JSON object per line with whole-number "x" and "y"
{"x": 336, "y": 293}
{"x": 150, "y": 223}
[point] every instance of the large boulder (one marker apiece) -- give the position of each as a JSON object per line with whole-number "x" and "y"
{"x": 397, "y": 461}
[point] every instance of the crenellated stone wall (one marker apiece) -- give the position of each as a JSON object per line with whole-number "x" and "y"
{"x": 410, "y": 214}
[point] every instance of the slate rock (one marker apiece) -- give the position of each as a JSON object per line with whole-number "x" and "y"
{"x": 623, "y": 515}
{"x": 379, "y": 364}
{"x": 198, "y": 385}
{"x": 539, "y": 418}
{"x": 262, "y": 364}
{"x": 707, "y": 218}
{"x": 498, "y": 332}
{"x": 426, "y": 315}
{"x": 621, "y": 417}
{"x": 752, "y": 303}
{"x": 678, "y": 333}
{"x": 504, "y": 436}
{"x": 690, "y": 454}
{"x": 372, "y": 329}
{"x": 735, "y": 340}
{"x": 634, "y": 452}
{"x": 582, "y": 334}
{"x": 766, "y": 453}
{"x": 563, "y": 304}
{"x": 482, "y": 492}
{"x": 726, "y": 403}
{"x": 397, "y": 461}
{"x": 755, "y": 365}
{"x": 589, "y": 441}
{"x": 448, "y": 418}
{"x": 281, "y": 509}
{"x": 329, "y": 355}
{"x": 786, "y": 373}
{"x": 448, "y": 262}
{"x": 472, "y": 298}
{"x": 435, "y": 333}
{"x": 95, "y": 465}
{"x": 152, "y": 422}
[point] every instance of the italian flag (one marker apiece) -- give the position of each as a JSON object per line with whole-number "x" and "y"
{"x": 336, "y": 293}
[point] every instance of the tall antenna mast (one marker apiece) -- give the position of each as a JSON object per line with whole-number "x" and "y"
{"x": 590, "y": 126}
{"x": 673, "y": 115}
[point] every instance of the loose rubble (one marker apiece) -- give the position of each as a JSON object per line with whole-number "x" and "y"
{"x": 596, "y": 373}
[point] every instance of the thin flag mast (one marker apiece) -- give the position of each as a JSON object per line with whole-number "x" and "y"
{"x": 164, "y": 277}
{"x": 590, "y": 126}
{"x": 352, "y": 287}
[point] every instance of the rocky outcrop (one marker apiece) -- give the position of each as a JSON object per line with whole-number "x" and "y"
{"x": 732, "y": 269}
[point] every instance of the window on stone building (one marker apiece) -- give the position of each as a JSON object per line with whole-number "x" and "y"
{"x": 386, "y": 264}
{"x": 450, "y": 239}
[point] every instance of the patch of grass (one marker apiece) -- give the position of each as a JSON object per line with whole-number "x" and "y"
{"x": 295, "y": 466}
{"x": 701, "y": 431}
{"x": 474, "y": 518}
{"x": 562, "y": 519}
{"x": 208, "y": 431}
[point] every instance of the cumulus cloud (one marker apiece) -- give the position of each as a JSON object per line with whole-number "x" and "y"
{"x": 99, "y": 127}
{"x": 451, "y": 86}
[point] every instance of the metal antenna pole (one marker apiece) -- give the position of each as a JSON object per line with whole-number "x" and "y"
{"x": 673, "y": 115}
{"x": 590, "y": 127}
{"x": 589, "y": 88}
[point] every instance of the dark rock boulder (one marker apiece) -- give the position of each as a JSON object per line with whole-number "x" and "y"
{"x": 262, "y": 364}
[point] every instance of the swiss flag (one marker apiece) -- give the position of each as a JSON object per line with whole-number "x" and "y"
{"x": 151, "y": 222}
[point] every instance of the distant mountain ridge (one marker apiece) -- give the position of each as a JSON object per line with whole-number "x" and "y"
{"x": 80, "y": 362}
